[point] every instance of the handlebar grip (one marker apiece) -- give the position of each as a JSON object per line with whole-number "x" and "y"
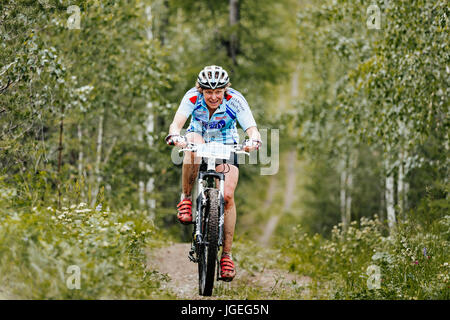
{"x": 169, "y": 140}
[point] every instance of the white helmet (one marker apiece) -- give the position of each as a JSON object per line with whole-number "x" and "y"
{"x": 213, "y": 77}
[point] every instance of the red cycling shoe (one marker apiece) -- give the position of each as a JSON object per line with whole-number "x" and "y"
{"x": 185, "y": 211}
{"x": 227, "y": 270}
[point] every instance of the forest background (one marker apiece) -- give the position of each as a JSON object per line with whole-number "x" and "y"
{"x": 352, "y": 97}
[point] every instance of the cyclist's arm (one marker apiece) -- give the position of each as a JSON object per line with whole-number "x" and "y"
{"x": 253, "y": 133}
{"x": 254, "y": 137}
{"x": 178, "y": 123}
{"x": 245, "y": 118}
{"x": 184, "y": 111}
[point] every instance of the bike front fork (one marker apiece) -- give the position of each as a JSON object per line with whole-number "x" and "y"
{"x": 197, "y": 234}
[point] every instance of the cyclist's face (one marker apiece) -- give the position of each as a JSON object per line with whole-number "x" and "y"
{"x": 213, "y": 98}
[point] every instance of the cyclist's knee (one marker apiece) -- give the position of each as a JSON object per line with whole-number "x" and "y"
{"x": 229, "y": 198}
{"x": 190, "y": 158}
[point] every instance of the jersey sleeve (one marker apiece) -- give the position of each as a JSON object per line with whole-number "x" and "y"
{"x": 243, "y": 113}
{"x": 188, "y": 102}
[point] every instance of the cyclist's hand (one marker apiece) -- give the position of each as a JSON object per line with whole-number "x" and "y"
{"x": 251, "y": 144}
{"x": 176, "y": 140}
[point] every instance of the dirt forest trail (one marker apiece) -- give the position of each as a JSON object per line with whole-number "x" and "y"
{"x": 289, "y": 197}
{"x": 183, "y": 275}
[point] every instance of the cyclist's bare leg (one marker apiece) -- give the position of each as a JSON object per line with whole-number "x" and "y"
{"x": 231, "y": 179}
{"x": 190, "y": 166}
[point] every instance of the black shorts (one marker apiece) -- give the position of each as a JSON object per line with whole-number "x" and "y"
{"x": 233, "y": 161}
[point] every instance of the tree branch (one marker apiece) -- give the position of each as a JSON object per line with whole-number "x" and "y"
{"x": 6, "y": 86}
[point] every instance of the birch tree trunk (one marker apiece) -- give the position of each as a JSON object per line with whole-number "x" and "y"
{"x": 294, "y": 83}
{"x": 234, "y": 19}
{"x": 151, "y": 203}
{"x": 346, "y": 187}
{"x": 389, "y": 194}
{"x": 343, "y": 196}
{"x": 98, "y": 160}
{"x": 141, "y": 187}
{"x": 382, "y": 198}
{"x": 405, "y": 196}
{"x": 80, "y": 160}
{"x": 60, "y": 149}
{"x": 80, "y": 152}
{"x": 150, "y": 186}
{"x": 146, "y": 189}
{"x": 400, "y": 187}
{"x": 149, "y": 29}
{"x": 348, "y": 202}
{"x": 164, "y": 22}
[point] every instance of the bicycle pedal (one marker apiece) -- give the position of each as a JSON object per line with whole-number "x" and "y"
{"x": 225, "y": 279}
{"x": 191, "y": 256}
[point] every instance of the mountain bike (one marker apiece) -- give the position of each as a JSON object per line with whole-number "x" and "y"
{"x": 207, "y": 236}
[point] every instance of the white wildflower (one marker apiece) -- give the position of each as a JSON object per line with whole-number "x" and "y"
{"x": 83, "y": 210}
{"x": 125, "y": 228}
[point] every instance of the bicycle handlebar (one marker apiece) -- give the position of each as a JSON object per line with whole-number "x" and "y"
{"x": 236, "y": 148}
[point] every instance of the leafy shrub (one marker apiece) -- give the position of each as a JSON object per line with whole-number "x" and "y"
{"x": 39, "y": 246}
{"x": 412, "y": 262}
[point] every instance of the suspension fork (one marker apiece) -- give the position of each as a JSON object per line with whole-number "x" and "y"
{"x": 201, "y": 202}
{"x": 222, "y": 210}
{"x": 197, "y": 236}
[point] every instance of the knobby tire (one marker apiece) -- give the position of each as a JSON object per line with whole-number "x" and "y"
{"x": 208, "y": 255}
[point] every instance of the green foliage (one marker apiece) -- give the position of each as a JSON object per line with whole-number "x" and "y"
{"x": 322, "y": 200}
{"x": 374, "y": 95}
{"x": 264, "y": 52}
{"x": 38, "y": 246}
{"x": 83, "y": 113}
{"x": 413, "y": 262}
{"x": 79, "y": 92}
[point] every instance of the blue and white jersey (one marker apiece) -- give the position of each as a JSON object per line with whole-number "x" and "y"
{"x": 221, "y": 127}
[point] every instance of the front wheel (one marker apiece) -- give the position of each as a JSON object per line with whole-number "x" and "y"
{"x": 209, "y": 249}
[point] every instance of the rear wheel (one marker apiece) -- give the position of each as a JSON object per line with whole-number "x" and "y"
{"x": 208, "y": 250}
